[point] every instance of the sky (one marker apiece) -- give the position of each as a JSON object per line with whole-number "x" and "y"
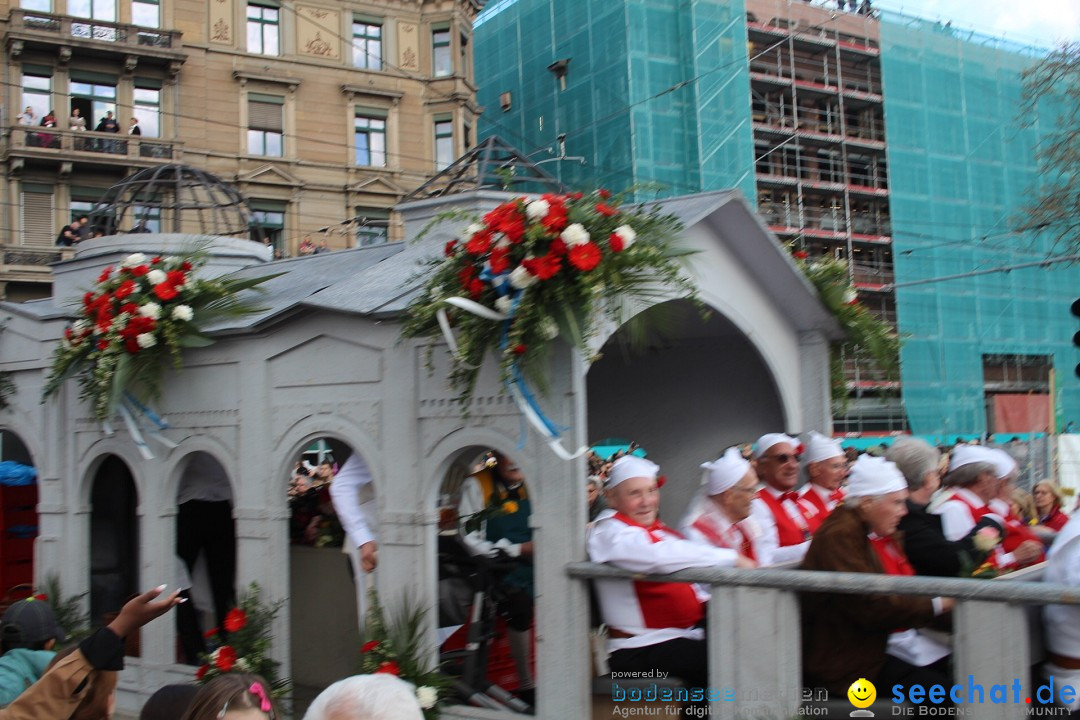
{"x": 1031, "y": 22}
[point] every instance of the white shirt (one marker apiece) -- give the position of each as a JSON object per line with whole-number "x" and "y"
{"x": 957, "y": 520}
{"x": 1063, "y": 566}
{"x": 721, "y": 526}
{"x": 767, "y": 544}
{"x": 629, "y": 547}
{"x": 351, "y": 493}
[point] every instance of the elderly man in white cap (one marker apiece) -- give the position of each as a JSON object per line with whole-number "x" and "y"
{"x": 652, "y": 626}
{"x": 1062, "y": 622}
{"x": 826, "y": 467}
{"x": 783, "y": 519}
{"x": 1021, "y": 546}
{"x": 718, "y": 516}
{"x": 847, "y": 637}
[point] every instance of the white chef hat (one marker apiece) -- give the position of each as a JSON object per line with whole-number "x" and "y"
{"x": 967, "y": 454}
{"x": 1003, "y": 462}
{"x": 631, "y": 466}
{"x": 767, "y": 440}
{"x": 874, "y": 476}
{"x": 819, "y": 447}
{"x": 722, "y": 474}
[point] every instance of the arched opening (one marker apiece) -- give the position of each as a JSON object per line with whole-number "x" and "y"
{"x": 485, "y": 578}
{"x": 327, "y": 585}
{"x": 206, "y": 548}
{"x": 114, "y": 540}
{"x": 18, "y": 518}
{"x": 686, "y": 390}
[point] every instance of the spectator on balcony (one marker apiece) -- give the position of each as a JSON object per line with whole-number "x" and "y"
{"x": 84, "y": 228}
{"x": 48, "y": 139}
{"x": 69, "y": 235}
{"x": 77, "y": 122}
{"x": 27, "y": 117}
{"x": 847, "y": 637}
{"x": 826, "y": 468}
{"x": 108, "y": 124}
{"x": 777, "y": 510}
{"x": 307, "y": 247}
{"x": 133, "y": 129}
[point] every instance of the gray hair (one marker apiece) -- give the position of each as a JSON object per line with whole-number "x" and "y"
{"x": 914, "y": 458}
{"x": 966, "y": 475}
{"x": 366, "y": 697}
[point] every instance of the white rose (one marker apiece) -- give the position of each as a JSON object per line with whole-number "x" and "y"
{"x": 627, "y": 234}
{"x": 427, "y": 697}
{"x": 79, "y": 326}
{"x": 521, "y": 278}
{"x": 150, "y": 310}
{"x": 156, "y": 277}
{"x": 473, "y": 229}
{"x": 537, "y": 209}
{"x": 243, "y": 665}
{"x": 549, "y": 329}
{"x": 850, "y": 296}
{"x": 503, "y": 304}
{"x": 575, "y": 234}
{"x": 146, "y": 340}
{"x": 133, "y": 260}
{"x": 183, "y": 312}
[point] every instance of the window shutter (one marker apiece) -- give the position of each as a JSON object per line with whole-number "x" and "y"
{"x": 37, "y": 219}
{"x": 264, "y": 116}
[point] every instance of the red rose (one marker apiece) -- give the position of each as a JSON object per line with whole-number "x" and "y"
{"x": 105, "y": 274}
{"x": 480, "y": 243}
{"x": 129, "y": 308}
{"x": 211, "y": 633}
{"x": 545, "y": 267}
{"x": 476, "y": 287}
{"x": 604, "y": 193}
{"x": 369, "y": 646}
{"x": 201, "y": 672}
{"x": 585, "y": 257}
{"x": 88, "y": 299}
{"x": 499, "y": 260}
{"x": 513, "y": 227}
{"x": 575, "y": 196}
{"x": 235, "y": 620}
{"x": 615, "y": 242}
{"x": 466, "y": 274}
{"x": 558, "y": 247}
{"x": 175, "y": 277}
{"x": 226, "y": 658}
{"x": 132, "y": 346}
{"x": 102, "y": 344}
{"x": 139, "y": 270}
{"x": 185, "y": 266}
{"x": 800, "y": 254}
{"x": 449, "y": 249}
{"x": 520, "y": 349}
{"x": 156, "y": 260}
{"x": 126, "y": 288}
{"x": 390, "y": 667}
{"x": 605, "y": 210}
{"x": 165, "y": 291}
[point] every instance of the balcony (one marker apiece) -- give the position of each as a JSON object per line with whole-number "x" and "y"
{"x": 38, "y": 143}
{"x": 68, "y": 35}
{"x": 21, "y": 263}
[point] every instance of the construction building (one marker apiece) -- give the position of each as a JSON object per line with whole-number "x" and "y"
{"x": 891, "y": 142}
{"x": 323, "y": 114}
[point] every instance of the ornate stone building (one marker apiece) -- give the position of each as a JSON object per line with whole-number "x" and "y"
{"x": 323, "y": 113}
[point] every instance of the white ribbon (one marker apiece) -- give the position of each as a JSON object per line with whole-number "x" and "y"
{"x": 550, "y": 438}
{"x": 136, "y": 436}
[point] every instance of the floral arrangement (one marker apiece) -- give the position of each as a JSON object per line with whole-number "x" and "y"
{"x": 136, "y": 317}
{"x": 397, "y": 647}
{"x": 243, "y": 643}
{"x": 981, "y": 566}
{"x": 541, "y": 269}
{"x": 867, "y": 335}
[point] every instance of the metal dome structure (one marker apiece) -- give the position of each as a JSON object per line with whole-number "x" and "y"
{"x": 177, "y": 198}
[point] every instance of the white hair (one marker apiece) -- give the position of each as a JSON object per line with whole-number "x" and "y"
{"x": 366, "y": 697}
{"x": 914, "y": 458}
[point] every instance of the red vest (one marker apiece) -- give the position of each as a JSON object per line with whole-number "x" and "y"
{"x": 745, "y": 546}
{"x": 788, "y": 531}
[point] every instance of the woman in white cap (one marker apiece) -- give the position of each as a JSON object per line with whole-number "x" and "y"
{"x": 826, "y": 467}
{"x": 719, "y": 515}
{"x": 847, "y": 637}
{"x": 652, "y": 626}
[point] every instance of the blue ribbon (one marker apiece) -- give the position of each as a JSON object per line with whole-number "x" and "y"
{"x": 146, "y": 412}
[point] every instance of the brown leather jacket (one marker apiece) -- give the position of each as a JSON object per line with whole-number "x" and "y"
{"x": 844, "y": 636}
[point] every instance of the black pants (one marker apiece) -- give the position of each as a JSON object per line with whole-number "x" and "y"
{"x": 682, "y": 658}
{"x": 204, "y": 526}
{"x": 898, "y": 672}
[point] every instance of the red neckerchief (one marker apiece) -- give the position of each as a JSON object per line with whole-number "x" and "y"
{"x": 653, "y": 529}
{"x": 893, "y": 560}
{"x": 706, "y": 528}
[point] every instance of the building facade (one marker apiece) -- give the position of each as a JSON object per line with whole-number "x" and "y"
{"x": 322, "y": 113}
{"x": 890, "y": 142}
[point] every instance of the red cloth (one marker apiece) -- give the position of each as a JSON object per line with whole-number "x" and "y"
{"x": 788, "y": 530}
{"x": 893, "y": 560}
{"x": 1055, "y": 520}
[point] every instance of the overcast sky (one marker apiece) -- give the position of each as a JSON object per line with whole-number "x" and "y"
{"x": 1033, "y": 22}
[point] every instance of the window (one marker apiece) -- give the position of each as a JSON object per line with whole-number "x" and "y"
{"x": 464, "y": 54}
{"x": 146, "y": 13}
{"x": 444, "y": 142}
{"x": 265, "y": 128}
{"x": 37, "y": 93}
{"x": 268, "y": 224}
{"x": 367, "y": 45}
{"x": 94, "y": 96}
{"x": 95, "y": 9}
{"x": 372, "y": 226}
{"x": 145, "y": 218}
{"x": 39, "y": 5}
{"x": 37, "y": 215}
{"x": 369, "y": 133}
{"x": 466, "y": 135}
{"x": 148, "y": 109}
{"x": 440, "y": 52}
{"x": 262, "y": 29}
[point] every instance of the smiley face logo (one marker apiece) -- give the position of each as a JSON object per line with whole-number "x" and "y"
{"x": 862, "y": 693}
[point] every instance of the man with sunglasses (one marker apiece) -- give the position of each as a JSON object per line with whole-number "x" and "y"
{"x": 783, "y": 519}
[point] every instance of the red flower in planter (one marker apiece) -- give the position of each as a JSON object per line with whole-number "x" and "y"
{"x": 235, "y": 620}
{"x": 390, "y": 667}
{"x": 226, "y": 658}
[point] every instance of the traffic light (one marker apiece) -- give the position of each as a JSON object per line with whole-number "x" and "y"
{"x": 1076, "y": 337}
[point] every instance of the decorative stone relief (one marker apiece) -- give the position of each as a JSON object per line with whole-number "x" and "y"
{"x": 221, "y": 18}
{"x": 408, "y": 46}
{"x": 317, "y": 32}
